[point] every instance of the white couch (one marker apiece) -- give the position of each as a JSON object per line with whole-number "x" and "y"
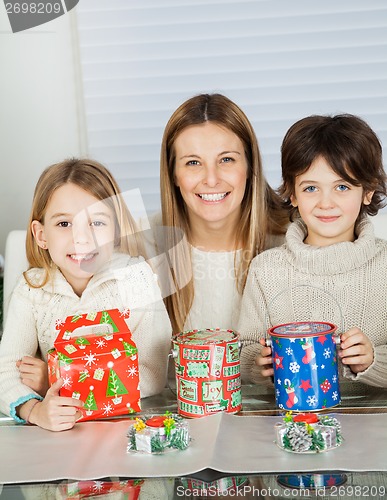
{"x": 16, "y": 262}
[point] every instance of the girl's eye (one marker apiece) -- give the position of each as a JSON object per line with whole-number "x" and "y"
{"x": 310, "y": 189}
{"x": 64, "y": 223}
{"x": 227, "y": 159}
{"x": 97, "y": 223}
{"x": 342, "y": 187}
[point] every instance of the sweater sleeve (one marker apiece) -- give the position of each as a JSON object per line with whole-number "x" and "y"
{"x": 19, "y": 339}
{"x": 152, "y": 331}
{"x": 376, "y": 373}
{"x": 252, "y": 326}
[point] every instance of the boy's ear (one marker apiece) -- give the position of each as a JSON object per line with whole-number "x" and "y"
{"x": 368, "y": 197}
{"x": 293, "y": 200}
{"x": 37, "y": 229}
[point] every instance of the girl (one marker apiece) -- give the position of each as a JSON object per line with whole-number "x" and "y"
{"x": 218, "y": 211}
{"x": 333, "y": 177}
{"x": 84, "y": 256}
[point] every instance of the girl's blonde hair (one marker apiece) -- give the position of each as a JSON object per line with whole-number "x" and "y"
{"x": 261, "y": 211}
{"x": 94, "y": 178}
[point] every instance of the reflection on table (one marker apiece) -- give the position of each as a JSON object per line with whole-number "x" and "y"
{"x": 211, "y": 484}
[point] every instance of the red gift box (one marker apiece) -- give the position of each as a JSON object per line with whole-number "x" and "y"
{"x": 96, "y": 357}
{"x": 79, "y": 490}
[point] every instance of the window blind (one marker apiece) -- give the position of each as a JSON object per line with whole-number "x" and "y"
{"x": 279, "y": 60}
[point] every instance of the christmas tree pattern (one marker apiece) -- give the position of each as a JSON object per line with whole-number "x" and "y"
{"x": 107, "y": 319}
{"x": 115, "y": 387}
{"x": 130, "y": 350}
{"x": 90, "y": 403}
{"x": 63, "y": 359}
{"x": 82, "y": 342}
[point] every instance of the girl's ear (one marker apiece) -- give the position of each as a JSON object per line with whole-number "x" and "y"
{"x": 37, "y": 229}
{"x": 293, "y": 200}
{"x": 368, "y": 197}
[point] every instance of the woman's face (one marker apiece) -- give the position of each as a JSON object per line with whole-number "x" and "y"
{"x": 211, "y": 173}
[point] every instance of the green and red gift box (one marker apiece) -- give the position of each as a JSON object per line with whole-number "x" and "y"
{"x": 96, "y": 357}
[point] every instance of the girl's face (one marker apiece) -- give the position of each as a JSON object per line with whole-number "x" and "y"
{"x": 211, "y": 173}
{"x": 78, "y": 232}
{"x": 328, "y": 205}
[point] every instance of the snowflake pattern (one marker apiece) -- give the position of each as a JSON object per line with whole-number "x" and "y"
{"x": 281, "y": 406}
{"x": 314, "y": 366}
{"x": 279, "y": 381}
{"x": 294, "y": 367}
{"x": 97, "y": 486}
{"x": 334, "y": 379}
{"x": 335, "y": 396}
{"x": 125, "y": 313}
{"x": 312, "y": 400}
{"x": 292, "y": 339}
{"x": 278, "y": 392}
{"x": 90, "y": 359}
{"x": 107, "y": 409}
{"x": 327, "y": 353}
{"x": 67, "y": 382}
{"x": 131, "y": 371}
{"x": 101, "y": 343}
{"x": 289, "y": 351}
{"x": 58, "y": 323}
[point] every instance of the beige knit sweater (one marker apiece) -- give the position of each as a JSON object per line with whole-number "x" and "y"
{"x": 345, "y": 283}
{"x": 125, "y": 283}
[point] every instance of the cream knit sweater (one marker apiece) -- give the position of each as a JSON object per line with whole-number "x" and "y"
{"x": 217, "y": 301}
{"x": 125, "y": 283}
{"x": 345, "y": 283}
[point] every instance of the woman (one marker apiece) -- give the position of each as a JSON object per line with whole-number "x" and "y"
{"x": 214, "y": 193}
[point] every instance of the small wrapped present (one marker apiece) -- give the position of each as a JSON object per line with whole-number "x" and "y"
{"x": 158, "y": 433}
{"x": 308, "y": 433}
{"x": 96, "y": 357}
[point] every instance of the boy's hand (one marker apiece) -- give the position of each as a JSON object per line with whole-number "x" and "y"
{"x": 265, "y": 360}
{"x": 34, "y": 374}
{"x": 56, "y": 413}
{"x": 356, "y": 350}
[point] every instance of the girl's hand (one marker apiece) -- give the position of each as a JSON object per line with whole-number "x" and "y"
{"x": 265, "y": 360}
{"x": 356, "y": 350}
{"x": 34, "y": 374}
{"x": 56, "y": 413}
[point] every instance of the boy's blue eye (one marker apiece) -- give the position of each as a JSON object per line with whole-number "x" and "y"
{"x": 342, "y": 187}
{"x": 310, "y": 189}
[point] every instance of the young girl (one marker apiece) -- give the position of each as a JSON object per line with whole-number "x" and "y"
{"x": 84, "y": 256}
{"x": 331, "y": 267}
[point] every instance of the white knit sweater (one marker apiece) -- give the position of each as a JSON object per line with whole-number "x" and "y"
{"x": 125, "y": 283}
{"x": 345, "y": 283}
{"x": 217, "y": 301}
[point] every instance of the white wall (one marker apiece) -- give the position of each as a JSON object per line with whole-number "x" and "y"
{"x": 40, "y": 111}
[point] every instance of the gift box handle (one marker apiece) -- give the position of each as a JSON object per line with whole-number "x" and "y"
{"x": 84, "y": 331}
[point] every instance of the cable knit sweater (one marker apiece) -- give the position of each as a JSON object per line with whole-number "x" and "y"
{"x": 125, "y": 283}
{"x": 345, "y": 283}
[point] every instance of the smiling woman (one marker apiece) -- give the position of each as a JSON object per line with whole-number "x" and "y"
{"x": 213, "y": 191}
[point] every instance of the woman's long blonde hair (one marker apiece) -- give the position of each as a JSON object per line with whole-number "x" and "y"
{"x": 94, "y": 178}
{"x": 261, "y": 210}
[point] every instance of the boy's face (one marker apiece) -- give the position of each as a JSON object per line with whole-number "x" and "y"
{"x": 327, "y": 204}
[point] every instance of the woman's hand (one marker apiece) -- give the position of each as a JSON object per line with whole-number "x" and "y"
{"x": 56, "y": 413}
{"x": 265, "y": 360}
{"x": 34, "y": 374}
{"x": 356, "y": 350}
